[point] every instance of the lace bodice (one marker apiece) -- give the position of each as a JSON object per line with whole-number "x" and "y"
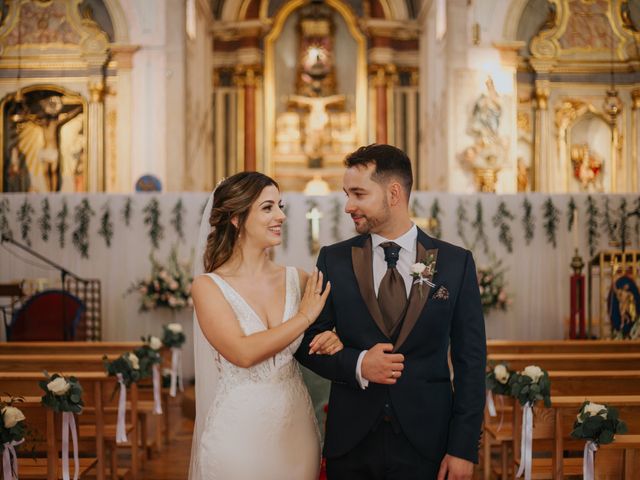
{"x": 250, "y": 323}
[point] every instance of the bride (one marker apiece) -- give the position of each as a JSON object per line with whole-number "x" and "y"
{"x": 254, "y": 417}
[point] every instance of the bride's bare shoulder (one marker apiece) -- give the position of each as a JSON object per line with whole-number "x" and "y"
{"x": 204, "y": 284}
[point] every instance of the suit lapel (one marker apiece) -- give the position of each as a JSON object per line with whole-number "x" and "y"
{"x": 417, "y": 301}
{"x": 363, "y": 268}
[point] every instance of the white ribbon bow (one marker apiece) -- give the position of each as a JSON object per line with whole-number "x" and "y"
{"x": 9, "y": 459}
{"x": 69, "y": 424}
{"x": 121, "y": 427}
{"x": 176, "y": 371}
{"x": 490, "y": 405}
{"x": 590, "y": 448}
{"x": 526, "y": 442}
{"x": 157, "y": 403}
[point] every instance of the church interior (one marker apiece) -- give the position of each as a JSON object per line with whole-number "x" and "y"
{"x": 521, "y": 119}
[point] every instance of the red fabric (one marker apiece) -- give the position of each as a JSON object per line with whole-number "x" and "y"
{"x": 46, "y": 317}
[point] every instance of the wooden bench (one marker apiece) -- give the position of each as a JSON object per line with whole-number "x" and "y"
{"x": 552, "y": 427}
{"x": 64, "y": 348}
{"x": 499, "y": 430}
{"x": 39, "y": 456}
{"x": 98, "y": 420}
{"x": 562, "y": 346}
{"x": 569, "y": 361}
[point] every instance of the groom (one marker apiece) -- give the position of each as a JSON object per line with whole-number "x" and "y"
{"x": 394, "y": 412}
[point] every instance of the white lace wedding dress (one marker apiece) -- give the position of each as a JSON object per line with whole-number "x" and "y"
{"x": 261, "y": 425}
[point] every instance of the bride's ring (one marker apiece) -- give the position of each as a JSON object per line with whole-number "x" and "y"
{"x": 393, "y": 374}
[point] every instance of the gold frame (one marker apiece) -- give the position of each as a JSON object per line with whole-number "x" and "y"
{"x": 85, "y": 124}
{"x": 269, "y": 72}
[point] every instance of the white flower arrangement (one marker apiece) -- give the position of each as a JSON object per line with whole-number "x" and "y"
{"x": 597, "y": 423}
{"x": 167, "y": 287}
{"x": 493, "y": 294}
{"x": 423, "y": 272}
{"x": 11, "y": 416}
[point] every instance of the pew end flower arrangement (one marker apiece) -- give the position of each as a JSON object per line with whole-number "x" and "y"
{"x": 12, "y": 427}
{"x": 62, "y": 394}
{"x": 173, "y": 336}
{"x": 597, "y": 423}
{"x": 148, "y": 355}
{"x": 499, "y": 379}
{"x": 127, "y": 365}
{"x": 531, "y": 385}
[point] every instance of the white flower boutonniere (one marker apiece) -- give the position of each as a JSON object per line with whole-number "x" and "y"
{"x": 423, "y": 272}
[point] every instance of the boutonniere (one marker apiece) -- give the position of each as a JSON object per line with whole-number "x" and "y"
{"x": 423, "y": 272}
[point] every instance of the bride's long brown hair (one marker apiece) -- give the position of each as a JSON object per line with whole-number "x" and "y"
{"x": 232, "y": 199}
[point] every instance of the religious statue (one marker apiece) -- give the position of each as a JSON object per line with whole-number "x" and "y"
{"x": 41, "y": 132}
{"x": 316, "y": 122}
{"x": 522, "y": 175}
{"x": 623, "y": 303}
{"x": 587, "y": 166}
{"x": 485, "y": 118}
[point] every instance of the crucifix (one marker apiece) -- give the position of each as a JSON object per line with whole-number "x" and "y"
{"x": 314, "y": 215}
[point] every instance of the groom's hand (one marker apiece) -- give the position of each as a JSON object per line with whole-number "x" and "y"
{"x": 379, "y": 366}
{"x": 454, "y": 468}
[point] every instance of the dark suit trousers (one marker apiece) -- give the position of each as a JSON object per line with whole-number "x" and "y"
{"x": 384, "y": 454}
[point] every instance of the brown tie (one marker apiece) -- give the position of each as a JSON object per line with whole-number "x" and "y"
{"x": 392, "y": 295}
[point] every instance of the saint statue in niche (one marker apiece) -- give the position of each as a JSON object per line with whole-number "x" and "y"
{"x": 587, "y": 167}
{"x": 485, "y": 118}
{"x": 623, "y": 303}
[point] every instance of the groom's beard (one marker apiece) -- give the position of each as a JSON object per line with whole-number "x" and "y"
{"x": 372, "y": 223}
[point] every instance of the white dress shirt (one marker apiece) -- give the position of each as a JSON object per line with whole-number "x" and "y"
{"x": 407, "y": 244}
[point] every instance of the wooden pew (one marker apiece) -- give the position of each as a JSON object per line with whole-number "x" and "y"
{"x": 562, "y": 346}
{"x": 569, "y": 361}
{"x": 581, "y": 382}
{"x": 44, "y": 421}
{"x": 552, "y": 427}
{"x": 95, "y": 422}
{"x": 627, "y": 462}
{"x": 63, "y": 348}
{"x": 94, "y": 362}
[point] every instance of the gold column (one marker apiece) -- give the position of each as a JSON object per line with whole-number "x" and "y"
{"x": 380, "y": 85}
{"x": 96, "y": 135}
{"x": 247, "y": 80}
{"x": 635, "y": 106}
{"x": 541, "y": 140}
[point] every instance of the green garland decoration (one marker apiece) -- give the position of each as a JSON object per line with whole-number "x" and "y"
{"x": 45, "y": 220}
{"x": 478, "y": 225}
{"x": 500, "y": 221}
{"x": 551, "y": 219}
{"x": 461, "y": 215}
{"x": 311, "y": 204}
{"x": 436, "y": 231}
{"x": 528, "y": 221}
{"x": 82, "y": 217}
{"x": 5, "y": 210}
{"x": 106, "y": 225}
{"x": 126, "y": 211}
{"x": 624, "y": 224}
{"x": 571, "y": 213}
{"x": 25, "y": 218}
{"x": 608, "y": 224}
{"x": 152, "y": 220}
{"x": 177, "y": 218}
{"x": 593, "y": 234}
{"x": 336, "y": 210}
{"x": 61, "y": 225}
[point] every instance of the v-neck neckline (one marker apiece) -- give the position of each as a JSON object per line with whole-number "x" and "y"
{"x": 264, "y": 324}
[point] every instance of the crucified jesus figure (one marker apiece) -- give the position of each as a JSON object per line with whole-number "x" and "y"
{"x": 317, "y": 121}
{"x": 51, "y": 120}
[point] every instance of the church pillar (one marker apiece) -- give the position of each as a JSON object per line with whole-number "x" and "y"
{"x": 380, "y": 85}
{"x": 541, "y": 181}
{"x": 635, "y": 134}
{"x": 249, "y": 81}
{"x": 95, "y": 152}
{"x": 120, "y": 172}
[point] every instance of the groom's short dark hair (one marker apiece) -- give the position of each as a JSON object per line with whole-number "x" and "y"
{"x": 389, "y": 161}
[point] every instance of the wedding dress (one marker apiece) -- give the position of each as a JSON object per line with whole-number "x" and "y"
{"x": 261, "y": 424}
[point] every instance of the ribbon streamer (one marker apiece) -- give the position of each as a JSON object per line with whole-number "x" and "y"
{"x": 157, "y": 403}
{"x": 526, "y": 442}
{"x": 176, "y": 371}
{"x": 590, "y": 448}
{"x": 490, "y": 405}
{"x": 69, "y": 425}
{"x": 121, "y": 427}
{"x": 10, "y": 460}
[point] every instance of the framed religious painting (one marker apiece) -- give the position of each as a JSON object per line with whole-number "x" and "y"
{"x": 44, "y": 141}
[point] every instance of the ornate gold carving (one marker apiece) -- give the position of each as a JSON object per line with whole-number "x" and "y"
{"x": 542, "y": 93}
{"x": 635, "y": 97}
{"x": 524, "y": 122}
{"x": 96, "y": 92}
